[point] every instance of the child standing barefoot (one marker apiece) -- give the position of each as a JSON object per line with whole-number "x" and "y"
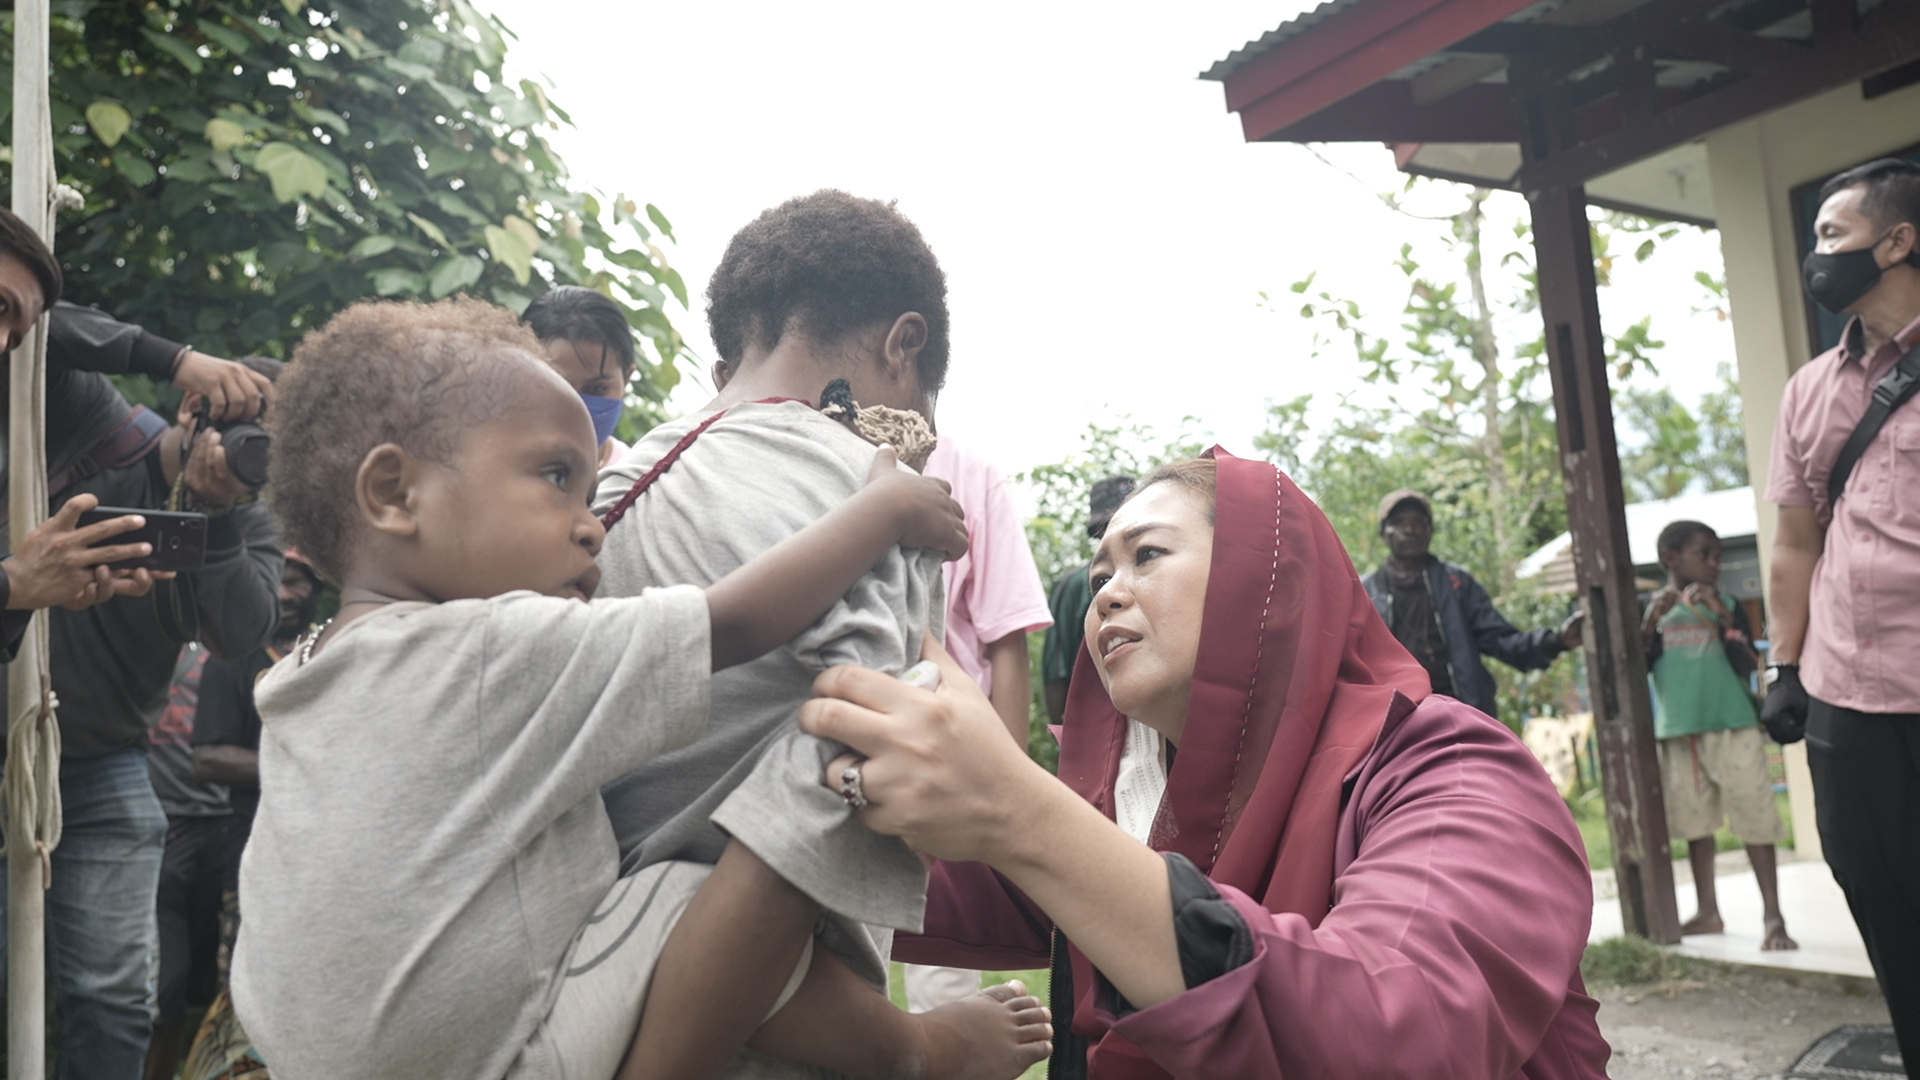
{"x": 431, "y": 887}
{"x": 1713, "y": 758}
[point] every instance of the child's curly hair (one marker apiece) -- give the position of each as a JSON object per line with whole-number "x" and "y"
{"x": 416, "y": 375}
{"x": 827, "y": 264}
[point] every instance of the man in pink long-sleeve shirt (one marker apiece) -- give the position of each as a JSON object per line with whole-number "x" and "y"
{"x": 1845, "y": 588}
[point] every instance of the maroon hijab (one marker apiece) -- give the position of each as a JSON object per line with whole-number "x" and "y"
{"x": 1294, "y": 680}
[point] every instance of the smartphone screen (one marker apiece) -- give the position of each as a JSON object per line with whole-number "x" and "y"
{"x": 179, "y": 539}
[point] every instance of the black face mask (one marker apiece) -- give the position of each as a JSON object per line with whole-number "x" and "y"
{"x": 1837, "y": 279}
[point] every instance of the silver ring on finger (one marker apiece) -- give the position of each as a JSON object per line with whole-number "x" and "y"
{"x": 850, "y": 791}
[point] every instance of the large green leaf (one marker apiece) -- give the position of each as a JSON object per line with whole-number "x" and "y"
{"x": 178, "y": 49}
{"x": 431, "y": 230}
{"x": 294, "y": 173}
{"x": 229, "y": 39}
{"x": 191, "y": 171}
{"x": 511, "y": 250}
{"x": 659, "y": 220}
{"x": 453, "y": 274}
{"x": 371, "y": 246}
{"x": 108, "y": 121}
{"x": 523, "y": 229}
{"x": 135, "y": 168}
{"x": 458, "y": 207}
{"x": 321, "y": 117}
{"x": 398, "y": 281}
{"x": 224, "y": 134}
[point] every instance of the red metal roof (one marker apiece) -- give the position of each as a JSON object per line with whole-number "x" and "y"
{"x": 1340, "y": 49}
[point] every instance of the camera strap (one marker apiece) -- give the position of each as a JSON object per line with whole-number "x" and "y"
{"x": 176, "y": 603}
{"x": 1892, "y": 391}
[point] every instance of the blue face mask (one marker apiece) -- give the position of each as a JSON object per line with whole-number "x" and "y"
{"x": 605, "y": 412}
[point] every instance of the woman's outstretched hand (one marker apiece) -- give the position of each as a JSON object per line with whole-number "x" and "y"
{"x": 940, "y": 772}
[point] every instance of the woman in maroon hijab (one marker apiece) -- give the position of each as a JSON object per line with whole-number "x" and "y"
{"x": 1270, "y": 851}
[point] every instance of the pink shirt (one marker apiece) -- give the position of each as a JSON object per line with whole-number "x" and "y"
{"x": 994, "y": 589}
{"x": 1863, "y": 625}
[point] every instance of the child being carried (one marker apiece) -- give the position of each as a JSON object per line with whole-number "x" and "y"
{"x": 432, "y": 888}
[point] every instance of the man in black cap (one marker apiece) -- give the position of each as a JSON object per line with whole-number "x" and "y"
{"x": 1069, "y": 598}
{"x": 1443, "y": 616}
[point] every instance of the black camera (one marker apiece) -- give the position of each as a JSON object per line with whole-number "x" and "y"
{"x": 246, "y": 441}
{"x": 247, "y": 444}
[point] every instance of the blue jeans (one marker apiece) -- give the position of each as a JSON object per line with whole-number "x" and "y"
{"x": 101, "y": 938}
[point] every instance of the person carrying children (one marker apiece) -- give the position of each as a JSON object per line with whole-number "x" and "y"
{"x": 823, "y": 289}
{"x": 432, "y": 888}
{"x": 1713, "y": 758}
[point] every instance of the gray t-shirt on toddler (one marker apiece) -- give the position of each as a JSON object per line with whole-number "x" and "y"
{"x": 430, "y": 836}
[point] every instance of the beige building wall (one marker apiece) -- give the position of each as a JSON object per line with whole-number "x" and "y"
{"x": 1754, "y": 165}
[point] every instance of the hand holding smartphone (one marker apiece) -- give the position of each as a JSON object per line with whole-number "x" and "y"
{"x": 179, "y": 539}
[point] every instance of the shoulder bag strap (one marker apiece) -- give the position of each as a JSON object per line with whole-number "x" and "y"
{"x": 1889, "y": 393}
{"x": 619, "y": 509}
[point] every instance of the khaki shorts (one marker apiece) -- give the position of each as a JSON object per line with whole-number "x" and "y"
{"x": 603, "y": 987}
{"x": 1716, "y": 774}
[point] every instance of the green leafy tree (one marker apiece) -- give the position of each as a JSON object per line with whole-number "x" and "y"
{"x": 252, "y": 166}
{"x": 1058, "y": 530}
{"x": 1678, "y": 448}
{"x": 1665, "y": 463}
{"x": 1470, "y": 422}
{"x": 1723, "y": 435}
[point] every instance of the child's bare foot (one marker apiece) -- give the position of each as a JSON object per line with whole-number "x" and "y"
{"x": 1707, "y": 922}
{"x": 992, "y": 1035}
{"x": 1777, "y": 939}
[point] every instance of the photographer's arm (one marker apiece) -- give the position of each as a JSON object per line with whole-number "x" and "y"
{"x": 765, "y": 603}
{"x": 237, "y": 592}
{"x": 88, "y": 339}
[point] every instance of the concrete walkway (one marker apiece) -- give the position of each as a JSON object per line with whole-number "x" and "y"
{"x": 1815, "y": 910}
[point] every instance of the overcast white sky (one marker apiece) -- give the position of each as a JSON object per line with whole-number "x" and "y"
{"x": 1105, "y": 230}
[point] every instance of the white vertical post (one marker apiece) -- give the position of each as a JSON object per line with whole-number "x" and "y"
{"x": 26, "y": 508}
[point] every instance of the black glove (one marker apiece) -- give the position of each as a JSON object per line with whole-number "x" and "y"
{"x": 1785, "y": 713}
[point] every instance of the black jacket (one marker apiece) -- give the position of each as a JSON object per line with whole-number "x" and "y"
{"x": 1471, "y": 626}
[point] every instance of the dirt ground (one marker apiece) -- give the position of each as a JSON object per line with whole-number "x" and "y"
{"x": 1727, "y": 1022}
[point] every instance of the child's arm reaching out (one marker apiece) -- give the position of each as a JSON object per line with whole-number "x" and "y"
{"x": 769, "y": 601}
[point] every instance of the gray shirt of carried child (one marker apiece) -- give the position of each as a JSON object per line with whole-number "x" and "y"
{"x": 519, "y": 708}
{"x": 755, "y": 476}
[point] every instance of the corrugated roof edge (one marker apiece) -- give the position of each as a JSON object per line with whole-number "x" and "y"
{"x": 1270, "y": 40}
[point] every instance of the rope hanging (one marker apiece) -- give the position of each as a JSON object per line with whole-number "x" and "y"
{"x": 30, "y": 788}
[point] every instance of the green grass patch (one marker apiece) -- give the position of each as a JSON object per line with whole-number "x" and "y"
{"x": 1632, "y": 961}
